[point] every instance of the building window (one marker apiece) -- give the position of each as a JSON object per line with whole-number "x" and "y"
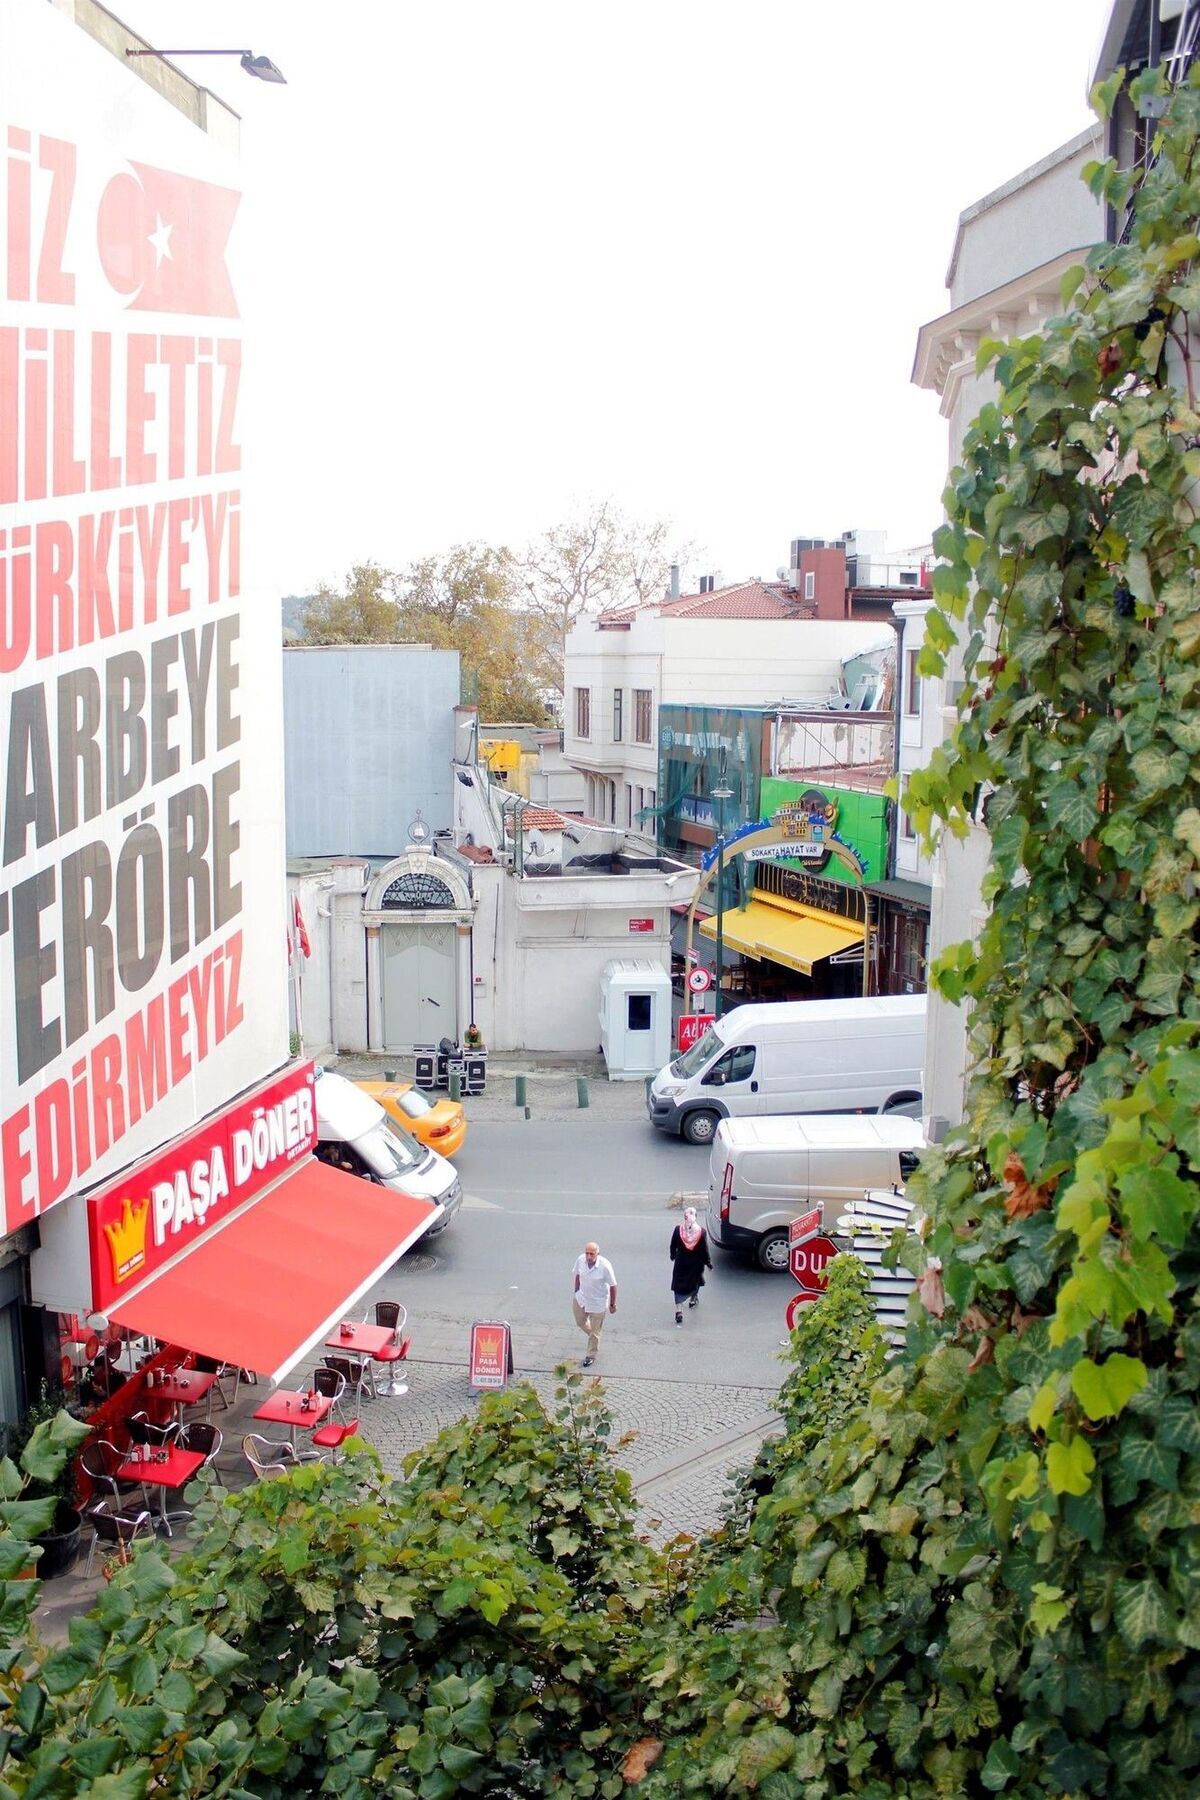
{"x": 810, "y": 585}
{"x": 909, "y": 933}
{"x": 909, "y": 577}
{"x": 628, "y": 804}
{"x": 908, "y": 830}
{"x": 583, "y": 712}
{"x": 618, "y": 695}
{"x": 420, "y": 892}
{"x": 912, "y": 685}
{"x": 643, "y": 708}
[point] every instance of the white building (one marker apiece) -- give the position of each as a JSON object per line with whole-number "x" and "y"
{"x": 745, "y": 645}
{"x": 506, "y": 922}
{"x": 1010, "y": 253}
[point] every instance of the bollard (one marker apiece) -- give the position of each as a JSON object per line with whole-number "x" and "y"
{"x": 581, "y": 1091}
{"x": 389, "y": 1074}
{"x": 519, "y": 1085}
{"x": 455, "y": 1084}
{"x": 528, "y": 1114}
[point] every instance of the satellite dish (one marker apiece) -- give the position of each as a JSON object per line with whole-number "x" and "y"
{"x": 419, "y": 832}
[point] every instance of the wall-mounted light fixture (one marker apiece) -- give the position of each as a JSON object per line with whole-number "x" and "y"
{"x": 261, "y": 66}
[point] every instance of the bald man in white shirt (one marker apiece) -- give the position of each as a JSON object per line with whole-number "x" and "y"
{"x": 594, "y": 1297}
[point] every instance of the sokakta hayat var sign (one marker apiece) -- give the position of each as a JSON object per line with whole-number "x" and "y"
{"x": 860, "y": 821}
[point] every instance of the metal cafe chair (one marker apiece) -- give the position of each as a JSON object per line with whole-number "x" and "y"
{"x": 355, "y": 1373}
{"x": 100, "y": 1461}
{"x": 394, "y": 1317}
{"x": 267, "y": 1458}
{"x": 330, "y": 1385}
{"x": 110, "y": 1526}
{"x": 203, "y": 1438}
{"x": 143, "y": 1429}
{"x": 331, "y": 1437}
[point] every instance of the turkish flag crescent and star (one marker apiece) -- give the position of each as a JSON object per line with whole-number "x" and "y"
{"x": 162, "y": 239}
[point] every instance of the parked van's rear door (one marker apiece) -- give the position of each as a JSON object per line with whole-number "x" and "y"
{"x": 733, "y": 1079}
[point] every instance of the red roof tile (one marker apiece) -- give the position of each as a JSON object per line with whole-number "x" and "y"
{"x": 536, "y": 818}
{"x": 752, "y": 599}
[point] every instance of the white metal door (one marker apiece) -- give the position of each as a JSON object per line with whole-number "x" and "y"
{"x": 419, "y": 986}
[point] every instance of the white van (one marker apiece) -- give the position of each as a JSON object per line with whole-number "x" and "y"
{"x": 801, "y": 1056}
{"x": 354, "y": 1133}
{"x": 763, "y": 1172}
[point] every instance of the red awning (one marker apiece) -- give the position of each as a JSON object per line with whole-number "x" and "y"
{"x": 263, "y": 1289}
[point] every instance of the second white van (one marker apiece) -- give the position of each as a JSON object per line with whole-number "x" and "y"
{"x": 764, "y": 1172}
{"x": 822, "y": 1056}
{"x": 355, "y": 1133}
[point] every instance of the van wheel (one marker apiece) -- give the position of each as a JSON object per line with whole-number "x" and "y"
{"x": 772, "y": 1252}
{"x": 700, "y": 1127}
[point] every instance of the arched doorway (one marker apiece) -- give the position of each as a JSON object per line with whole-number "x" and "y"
{"x": 418, "y": 913}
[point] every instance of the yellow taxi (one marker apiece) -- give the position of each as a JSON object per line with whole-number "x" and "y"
{"x": 440, "y": 1125}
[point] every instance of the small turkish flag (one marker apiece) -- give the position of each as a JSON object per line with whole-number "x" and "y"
{"x": 300, "y": 928}
{"x": 162, "y": 238}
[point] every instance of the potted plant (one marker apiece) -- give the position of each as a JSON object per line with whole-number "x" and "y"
{"x": 46, "y": 1442}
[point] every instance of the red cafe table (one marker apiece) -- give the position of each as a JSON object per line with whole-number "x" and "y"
{"x": 182, "y": 1387}
{"x": 286, "y": 1406}
{"x": 171, "y": 1469}
{"x": 361, "y": 1340}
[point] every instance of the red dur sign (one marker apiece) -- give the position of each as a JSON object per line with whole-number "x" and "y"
{"x": 160, "y": 1207}
{"x": 808, "y": 1262}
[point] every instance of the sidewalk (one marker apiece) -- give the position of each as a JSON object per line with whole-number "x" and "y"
{"x": 551, "y": 1085}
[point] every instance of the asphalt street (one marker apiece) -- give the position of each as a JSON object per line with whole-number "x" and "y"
{"x": 536, "y": 1191}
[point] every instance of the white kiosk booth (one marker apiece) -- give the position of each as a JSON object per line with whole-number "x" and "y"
{"x": 635, "y": 1018}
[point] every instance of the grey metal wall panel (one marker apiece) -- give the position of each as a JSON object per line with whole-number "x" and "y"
{"x": 368, "y": 738}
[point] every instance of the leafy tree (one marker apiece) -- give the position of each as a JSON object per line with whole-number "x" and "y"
{"x": 989, "y": 1580}
{"x": 596, "y": 560}
{"x": 364, "y": 613}
{"x": 470, "y": 600}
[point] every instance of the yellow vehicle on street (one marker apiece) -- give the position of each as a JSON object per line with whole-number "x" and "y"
{"x": 440, "y": 1125}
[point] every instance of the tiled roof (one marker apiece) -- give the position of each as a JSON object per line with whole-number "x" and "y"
{"x": 476, "y": 853}
{"x": 752, "y": 599}
{"x": 536, "y": 818}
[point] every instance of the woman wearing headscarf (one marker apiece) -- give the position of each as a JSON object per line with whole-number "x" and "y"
{"x": 689, "y": 1259}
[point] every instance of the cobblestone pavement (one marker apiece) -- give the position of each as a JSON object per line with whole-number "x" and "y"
{"x": 686, "y": 1437}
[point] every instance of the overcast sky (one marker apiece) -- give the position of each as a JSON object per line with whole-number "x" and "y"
{"x": 499, "y": 259}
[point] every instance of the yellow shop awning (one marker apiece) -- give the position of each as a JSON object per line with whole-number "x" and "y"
{"x": 796, "y": 936}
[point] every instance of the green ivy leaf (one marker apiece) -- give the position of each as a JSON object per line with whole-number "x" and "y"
{"x": 1069, "y": 1466}
{"x": 1050, "y": 1607}
{"x": 1141, "y": 1612}
{"x": 1104, "y": 1389}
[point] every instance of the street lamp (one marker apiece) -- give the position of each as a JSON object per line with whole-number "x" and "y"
{"x": 261, "y": 66}
{"x": 721, "y": 793}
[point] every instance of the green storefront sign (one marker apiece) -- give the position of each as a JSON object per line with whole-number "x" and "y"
{"x": 858, "y": 820}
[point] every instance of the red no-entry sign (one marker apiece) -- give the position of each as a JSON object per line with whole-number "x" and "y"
{"x": 808, "y": 1262}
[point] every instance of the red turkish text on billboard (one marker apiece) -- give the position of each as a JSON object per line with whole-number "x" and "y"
{"x": 132, "y": 754}
{"x": 692, "y": 1026}
{"x": 165, "y": 1205}
{"x": 641, "y": 924}
{"x": 491, "y": 1355}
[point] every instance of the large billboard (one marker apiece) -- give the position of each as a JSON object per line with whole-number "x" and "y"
{"x": 142, "y": 928}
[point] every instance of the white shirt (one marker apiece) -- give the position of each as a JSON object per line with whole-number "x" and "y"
{"x": 594, "y": 1283}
